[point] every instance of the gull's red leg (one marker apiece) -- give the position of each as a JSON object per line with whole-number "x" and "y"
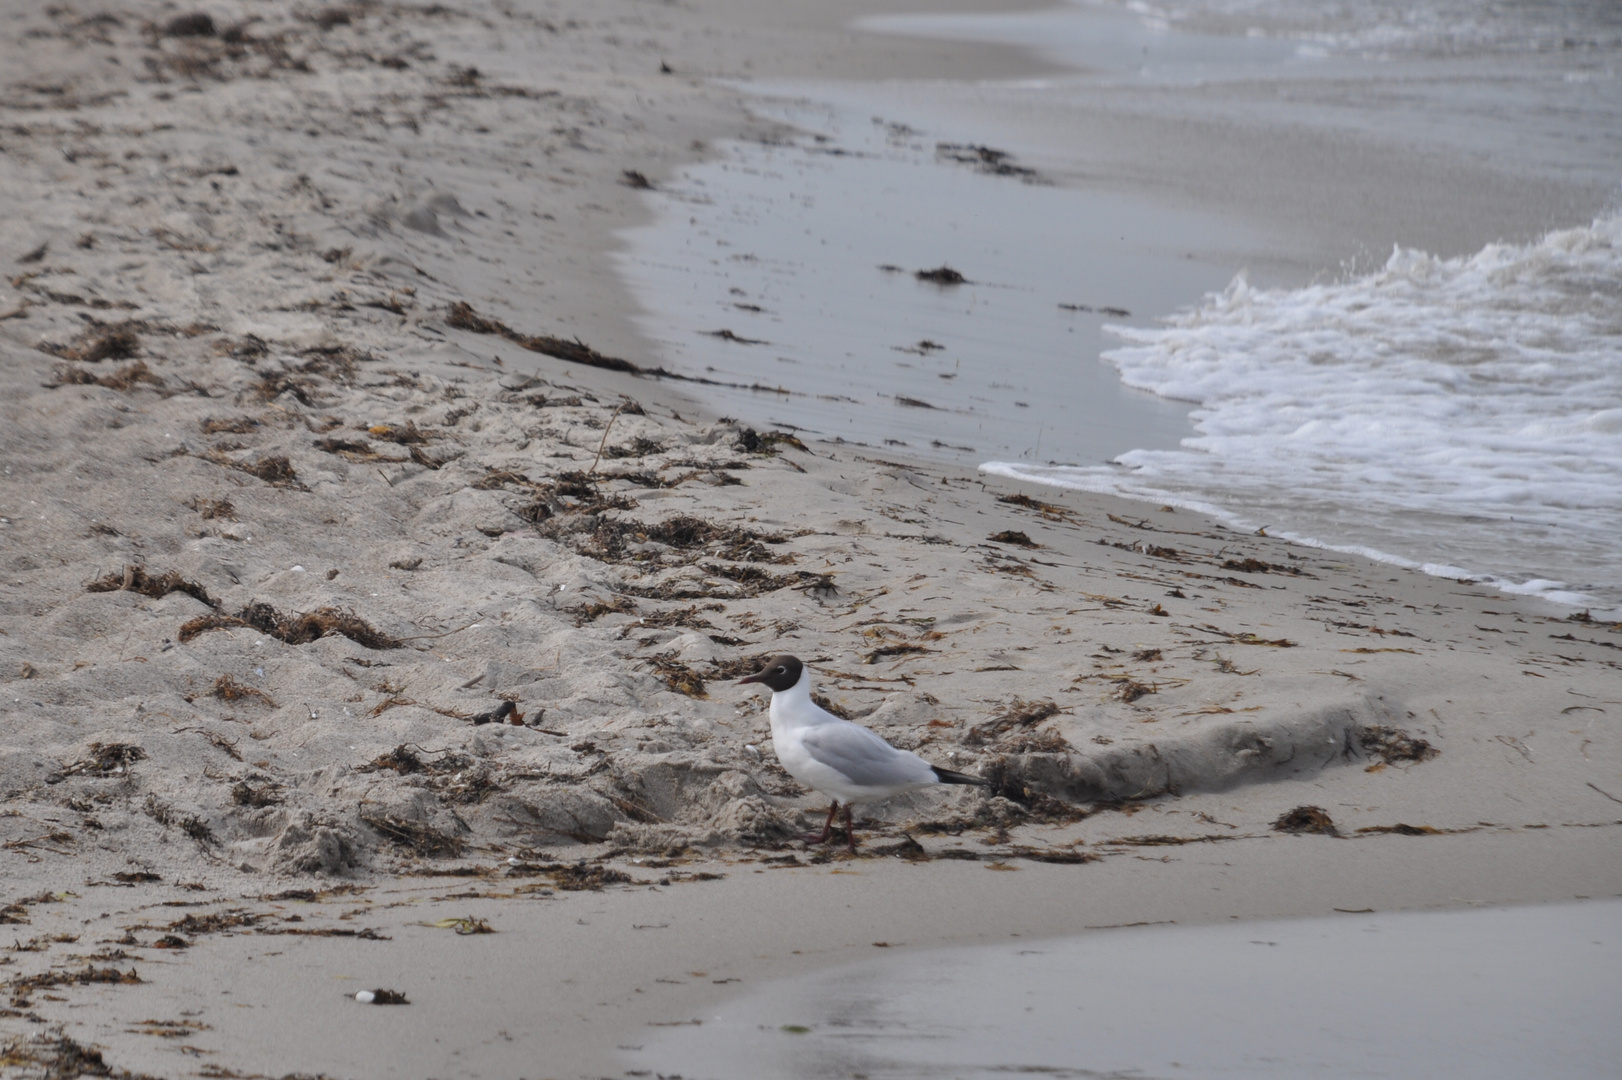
{"x": 850, "y": 831}
{"x": 827, "y": 826}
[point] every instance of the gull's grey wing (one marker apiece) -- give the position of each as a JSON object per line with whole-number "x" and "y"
{"x": 864, "y": 757}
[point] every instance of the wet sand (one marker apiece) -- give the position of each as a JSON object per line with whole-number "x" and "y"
{"x": 235, "y": 375}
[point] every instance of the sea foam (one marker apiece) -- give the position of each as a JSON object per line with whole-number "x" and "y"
{"x": 1464, "y": 415}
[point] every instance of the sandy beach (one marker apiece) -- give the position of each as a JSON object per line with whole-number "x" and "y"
{"x": 370, "y": 598}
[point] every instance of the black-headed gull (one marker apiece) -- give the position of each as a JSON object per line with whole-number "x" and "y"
{"x": 845, "y": 761}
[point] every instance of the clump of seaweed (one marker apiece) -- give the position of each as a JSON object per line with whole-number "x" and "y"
{"x": 226, "y": 688}
{"x": 677, "y": 675}
{"x": 101, "y": 341}
{"x": 299, "y": 629}
{"x": 461, "y": 316}
{"x": 256, "y": 793}
{"x": 157, "y": 586}
{"x": 609, "y": 539}
{"x": 1018, "y": 714}
{"x": 275, "y": 470}
{"x": 125, "y": 378}
{"x": 585, "y": 613}
{"x": 1011, "y": 536}
{"x": 1306, "y": 819}
{"x": 230, "y": 425}
{"x": 751, "y": 441}
{"x": 103, "y": 759}
{"x": 827, "y": 704}
{"x": 210, "y": 509}
{"x": 1392, "y": 745}
{"x": 1047, "y": 510}
{"x": 416, "y": 836}
{"x": 584, "y": 875}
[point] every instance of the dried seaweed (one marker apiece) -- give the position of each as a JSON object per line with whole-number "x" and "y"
{"x": 417, "y": 836}
{"x": 461, "y": 316}
{"x": 1130, "y": 690}
{"x": 210, "y": 509}
{"x": 226, "y": 688}
{"x": 1010, "y": 536}
{"x": 235, "y": 425}
{"x": 585, "y": 613}
{"x": 827, "y": 704}
{"x": 101, "y": 341}
{"x": 125, "y": 378}
{"x": 677, "y": 675}
{"x": 103, "y": 759}
{"x": 136, "y": 579}
{"x": 583, "y": 876}
{"x": 897, "y": 649}
{"x": 276, "y": 469}
{"x": 1018, "y": 714}
{"x": 1047, "y": 510}
{"x": 1307, "y": 819}
{"x": 300, "y": 629}
{"x": 1392, "y": 745}
{"x": 256, "y": 795}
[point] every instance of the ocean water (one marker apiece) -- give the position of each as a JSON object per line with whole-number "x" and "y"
{"x": 1490, "y": 994}
{"x": 1462, "y": 414}
{"x": 1468, "y": 408}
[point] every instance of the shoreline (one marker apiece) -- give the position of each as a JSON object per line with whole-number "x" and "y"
{"x": 226, "y": 419}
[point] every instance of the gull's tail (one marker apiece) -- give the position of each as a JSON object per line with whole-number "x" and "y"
{"x": 947, "y": 776}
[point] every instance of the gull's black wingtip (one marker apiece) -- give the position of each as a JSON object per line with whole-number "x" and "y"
{"x": 947, "y": 776}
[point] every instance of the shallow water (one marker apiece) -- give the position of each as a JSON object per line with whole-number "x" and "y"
{"x": 1461, "y": 414}
{"x": 786, "y": 245}
{"x": 1492, "y": 993}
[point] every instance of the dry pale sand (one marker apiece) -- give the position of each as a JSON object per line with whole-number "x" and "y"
{"x": 280, "y": 521}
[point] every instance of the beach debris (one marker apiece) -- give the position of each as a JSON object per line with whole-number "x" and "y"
{"x": 416, "y": 836}
{"x": 294, "y": 629}
{"x": 274, "y": 469}
{"x": 884, "y": 652}
{"x": 827, "y": 704}
{"x": 191, "y": 24}
{"x": 1400, "y": 829}
{"x": 125, "y": 378}
{"x": 1047, "y": 510}
{"x": 226, "y": 688}
{"x": 101, "y": 341}
{"x": 381, "y": 997}
{"x": 633, "y": 179}
{"x": 728, "y": 335}
{"x": 102, "y": 759}
{"x": 913, "y": 403}
{"x": 461, "y": 316}
{"x": 985, "y": 159}
{"x": 464, "y": 926}
{"x": 1306, "y": 819}
{"x": 677, "y": 675}
{"x": 1018, "y": 713}
{"x": 941, "y": 275}
{"x": 1011, "y": 536}
{"x": 506, "y": 712}
{"x": 257, "y": 792}
{"x": 1130, "y": 690}
{"x": 1393, "y": 745}
{"x": 136, "y": 579}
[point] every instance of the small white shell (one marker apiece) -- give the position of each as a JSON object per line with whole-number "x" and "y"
{"x": 365, "y": 997}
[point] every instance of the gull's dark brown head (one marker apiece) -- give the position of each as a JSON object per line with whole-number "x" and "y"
{"x": 780, "y": 673}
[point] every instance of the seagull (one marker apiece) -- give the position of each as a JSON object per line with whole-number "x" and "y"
{"x": 844, "y": 761}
